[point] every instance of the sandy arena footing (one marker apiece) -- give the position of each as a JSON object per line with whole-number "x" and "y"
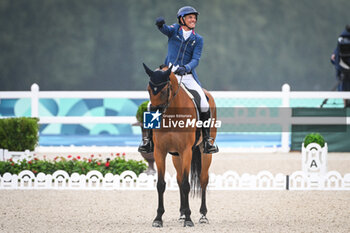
{"x": 228, "y": 211}
{"x": 125, "y": 211}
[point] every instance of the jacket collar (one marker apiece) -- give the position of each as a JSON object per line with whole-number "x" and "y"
{"x": 192, "y": 36}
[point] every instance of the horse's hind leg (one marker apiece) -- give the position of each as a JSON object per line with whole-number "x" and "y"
{"x": 185, "y": 186}
{"x": 204, "y": 179}
{"x": 160, "y": 162}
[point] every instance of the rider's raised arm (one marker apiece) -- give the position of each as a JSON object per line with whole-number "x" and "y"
{"x": 168, "y": 30}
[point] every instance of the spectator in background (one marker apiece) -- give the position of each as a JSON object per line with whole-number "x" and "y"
{"x": 341, "y": 61}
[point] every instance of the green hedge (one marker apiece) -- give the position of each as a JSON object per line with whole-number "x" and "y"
{"x": 142, "y": 108}
{"x": 19, "y": 134}
{"x": 73, "y": 164}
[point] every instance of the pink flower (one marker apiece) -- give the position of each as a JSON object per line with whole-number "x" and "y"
{"x": 30, "y": 162}
{"x": 91, "y": 156}
{"x": 78, "y": 157}
{"x": 107, "y": 164}
{"x": 98, "y": 163}
{"x": 117, "y": 154}
{"x": 69, "y": 156}
{"x": 123, "y": 154}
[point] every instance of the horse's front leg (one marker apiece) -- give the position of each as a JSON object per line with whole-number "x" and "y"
{"x": 204, "y": 179}
{"x": 178, "y": 166}
{"x": 160, "y": 162}
{"x": 185, "y": 186}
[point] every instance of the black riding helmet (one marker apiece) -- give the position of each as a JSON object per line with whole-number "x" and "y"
{"x": 186, "y": 10}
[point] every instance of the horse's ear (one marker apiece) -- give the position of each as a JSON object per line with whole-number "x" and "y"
{"x": 168, "y": 72}
{"x": 148, "y": 70}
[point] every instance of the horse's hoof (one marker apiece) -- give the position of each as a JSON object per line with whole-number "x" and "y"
{"x": 188, "y": 223}
{"x": 203, "y": 220}
{"x": 182, "y": 218}
{"x": 157, "y": 223}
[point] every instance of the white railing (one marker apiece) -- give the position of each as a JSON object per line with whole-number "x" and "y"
{"x": 15, "y": 155}
{"x": 285, "y": 95}
{"x": 128, "y": 180}
{"x": 313, "y": 176}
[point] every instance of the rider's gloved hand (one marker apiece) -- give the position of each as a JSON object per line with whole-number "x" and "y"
{"x": 160, "y": 21}
{"x": 180, "y": 71}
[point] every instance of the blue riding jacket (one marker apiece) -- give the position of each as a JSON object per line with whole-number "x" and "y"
{"x": 183, "y": 52}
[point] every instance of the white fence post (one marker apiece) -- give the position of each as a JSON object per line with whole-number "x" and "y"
{"x": 286, "y": 111}
{"x": 2, "y": 155}
{"x": 35, "y": 100}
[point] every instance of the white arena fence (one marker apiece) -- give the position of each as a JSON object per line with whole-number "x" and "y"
{"x": 15, "y": 155}
{"x": 313, "y": 176}
{"x": 128, "y": 180}
{"x": 285, "y": 95}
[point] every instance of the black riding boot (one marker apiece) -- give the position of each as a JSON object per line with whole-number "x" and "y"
{"x": 147, "y": 143}
{"x": 209, "y": 146}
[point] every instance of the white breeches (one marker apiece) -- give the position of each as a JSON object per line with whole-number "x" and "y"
{"x": 190, "y": 83}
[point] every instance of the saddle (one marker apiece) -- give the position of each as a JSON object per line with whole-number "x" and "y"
{"x": 194, "y": 96}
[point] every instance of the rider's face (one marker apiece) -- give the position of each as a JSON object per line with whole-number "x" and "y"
{"x": 190, "y": 21}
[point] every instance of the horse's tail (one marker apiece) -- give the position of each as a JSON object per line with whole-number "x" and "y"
{"x": 196, "y": 167}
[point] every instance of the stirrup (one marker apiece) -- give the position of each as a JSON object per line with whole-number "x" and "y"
{"x": 209, "y": 147}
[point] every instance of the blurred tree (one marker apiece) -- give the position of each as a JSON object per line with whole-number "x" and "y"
{"x": 100, "y": 45}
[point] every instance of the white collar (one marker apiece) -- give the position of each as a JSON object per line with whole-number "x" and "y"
{"x": 186, "y": 34}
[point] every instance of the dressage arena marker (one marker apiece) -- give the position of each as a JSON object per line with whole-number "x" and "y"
{"x": 314, "y": 159}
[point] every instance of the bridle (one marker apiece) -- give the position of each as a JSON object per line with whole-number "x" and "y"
{"x": 163, "y": 107}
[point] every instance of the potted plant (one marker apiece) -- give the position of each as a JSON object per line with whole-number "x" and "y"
{"x": 147, "y": 156}
{"x": 18, "y": 137}
{"x": 314, "y": 154}
{"x": 314, "y": 138}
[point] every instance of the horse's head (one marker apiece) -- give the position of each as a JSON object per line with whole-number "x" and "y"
{"x": 160, "y": 86}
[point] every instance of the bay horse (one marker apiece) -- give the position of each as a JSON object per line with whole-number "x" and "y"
{"x": 167, "y": 95}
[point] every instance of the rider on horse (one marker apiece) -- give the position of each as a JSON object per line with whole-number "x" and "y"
{"x": 184, "y": 51}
